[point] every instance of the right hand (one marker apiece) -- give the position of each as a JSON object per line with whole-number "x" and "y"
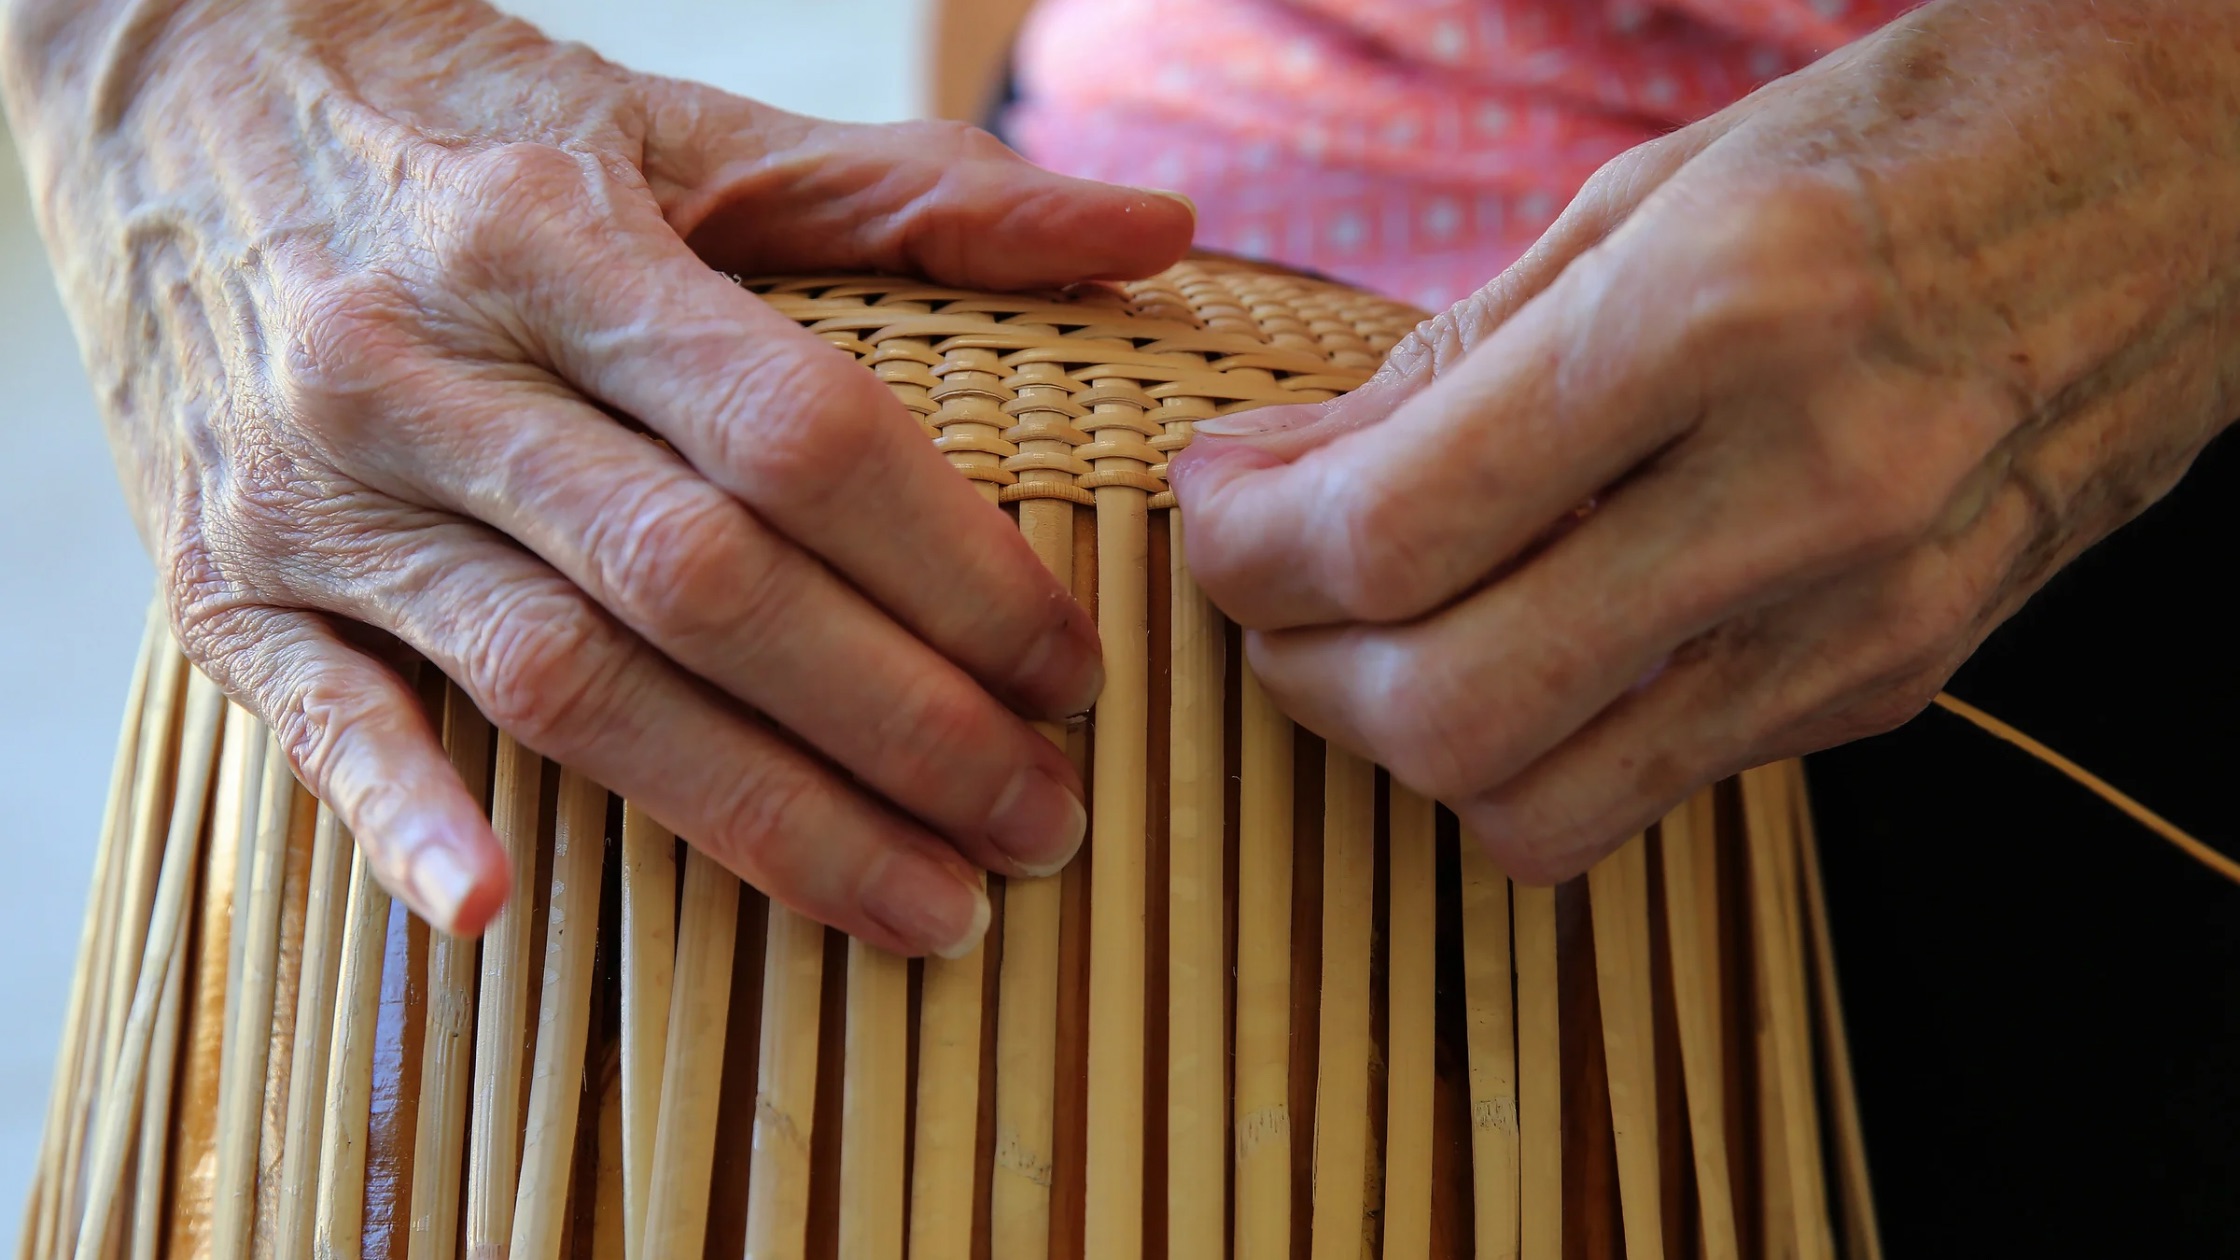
{"x": 362, "y": 287}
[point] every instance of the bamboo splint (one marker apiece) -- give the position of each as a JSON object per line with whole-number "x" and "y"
{"x": 1282, "y": 1007}
{"x": 502, "y": 1046}
{"x": 447, "y": 1041}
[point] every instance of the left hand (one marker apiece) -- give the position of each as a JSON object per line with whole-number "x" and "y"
{"x": 1846, "y": 373}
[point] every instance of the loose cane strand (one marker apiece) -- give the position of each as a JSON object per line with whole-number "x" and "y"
{"x": 2098, "y": 786}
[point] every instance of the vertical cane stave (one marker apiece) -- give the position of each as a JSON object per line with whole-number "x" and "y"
{"x": 563, "y": 1020}
{"x": 994, "y": 1105}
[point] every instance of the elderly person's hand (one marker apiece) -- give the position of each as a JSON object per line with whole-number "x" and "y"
{"x": 1839, "y": 376}
{"x": 367, "y": 290}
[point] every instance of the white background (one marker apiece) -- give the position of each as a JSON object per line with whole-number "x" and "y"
{"x": 74, "y": 582}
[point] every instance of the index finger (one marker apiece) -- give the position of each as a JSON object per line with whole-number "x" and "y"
{"x": 1351, "y": 534}
{"x": 1391, "y": 520}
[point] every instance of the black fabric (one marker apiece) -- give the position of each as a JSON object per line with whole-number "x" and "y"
{"x": 2044, "y": 998}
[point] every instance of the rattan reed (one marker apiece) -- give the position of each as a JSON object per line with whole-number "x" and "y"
{"x": 1281, "y": 1008}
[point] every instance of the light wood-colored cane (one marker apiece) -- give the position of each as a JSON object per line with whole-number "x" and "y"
{"x": 691, "y": 1075}
{"x": 1620, "y": 889}
{"x": 258, "y": 902}
{"x": 1114, "y": 1226}
{"x": 501, "y": 1043}
{"x": 325, "y": 920}
{"x": 1540, "y": 1048}
{"x": 337, "y": 1230}
{"x": 1489, "y": 999}
{"x": 649, "y": 960}
{"x": 874, "y": 1113}
{"x": 55, "y": 1185}
{"x": 1027, "y": 1018}
{"x": 1282, "y": 1007}
{"x": 161, "y": 944}
{"x": 1787, "y": 1098}
{"x": 563, "y": 1020}
{"x": 1411, "y": 1038}
{"x": 1263, "y": 1143}
{"x": 447, "y": 1047}
{"x": 786, "y": 1095}
{"x": 1692, "y": 911}
{"x": 1197, "y": 1005}
{"x": 1341, "y": 1117}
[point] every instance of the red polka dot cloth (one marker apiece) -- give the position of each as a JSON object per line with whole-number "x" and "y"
{"x": 1415, "y": 147}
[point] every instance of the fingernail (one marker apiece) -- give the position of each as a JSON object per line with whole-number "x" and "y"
{"x": 1038, "y": 822}
{"x": 926, "y": 905}
{"x": 1055, "y": 646}
{"x": 1085, "y": 699}
{"x": 1258, "y": 422}
{"x": 1172, "y": 195}
{"x": 442, "y": 882}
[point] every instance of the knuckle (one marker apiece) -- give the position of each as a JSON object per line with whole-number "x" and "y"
{"x": 1543, "y": 838}
{"x": 1874, "y": 708}
{"x": 1890, "y": 710}
{"x": 218, "y": 636}
{"x": 311, "y": 728}
{"x": 255, "y": 653}
{"x": 767, "y": 592}
{"x": 1799, "y": 269}
{"x": 545, "y": 668}
{"x": 677, "y": 564}
{"x": 761, "y": 823}
{"x": 346, "y": 345}
{"x": 522, "y": 174}
{"x": 1878, "y": 495}
{"x": 212, "y": 614}
{"x": 517, "y": 203}
{"x": 948, "y": 139}
{"x": 197, "y": 597}
{"x": 282, "y": 525}
{"x": 1617, "y": 182}
{"x": 1937, "y": 616}
{"x": 1425, "y": 730}
{"x": 795, "y": 423}
{"x": 316, "y": 724}
{"x": 269, "y": 495}
{"x": 1522, "y": 853}
{"x": 926, "y": 731}
{"x": 1377, "y": 571}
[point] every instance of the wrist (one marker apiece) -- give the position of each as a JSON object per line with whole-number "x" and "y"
{"x": 83, "y": 71}
{"x": 56, "y": 54}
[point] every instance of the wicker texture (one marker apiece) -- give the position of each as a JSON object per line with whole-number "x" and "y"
{"x": 1054, "y": 396}
{"x": 1282, "y": 1007}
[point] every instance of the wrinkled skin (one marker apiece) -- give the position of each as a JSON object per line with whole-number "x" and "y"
{"x": 1845, "y": 373}
{"x": 365, "y": 288}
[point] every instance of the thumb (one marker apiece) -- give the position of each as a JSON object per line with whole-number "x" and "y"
{"x": 1606, "y": 201}
{"x": 756, "y": 189}
{"x": 1292, "y": 510}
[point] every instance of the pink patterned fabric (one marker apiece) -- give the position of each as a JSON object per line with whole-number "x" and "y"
{"x": 1412, "y": 146}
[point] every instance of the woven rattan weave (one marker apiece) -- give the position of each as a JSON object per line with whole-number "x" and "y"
{"x": 1281, "y": 1008}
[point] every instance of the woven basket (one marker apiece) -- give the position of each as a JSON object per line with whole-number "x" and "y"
{"x": 1279, "y": 1009}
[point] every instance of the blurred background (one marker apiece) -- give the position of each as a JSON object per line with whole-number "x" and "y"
{"x": 75, "y": 584}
